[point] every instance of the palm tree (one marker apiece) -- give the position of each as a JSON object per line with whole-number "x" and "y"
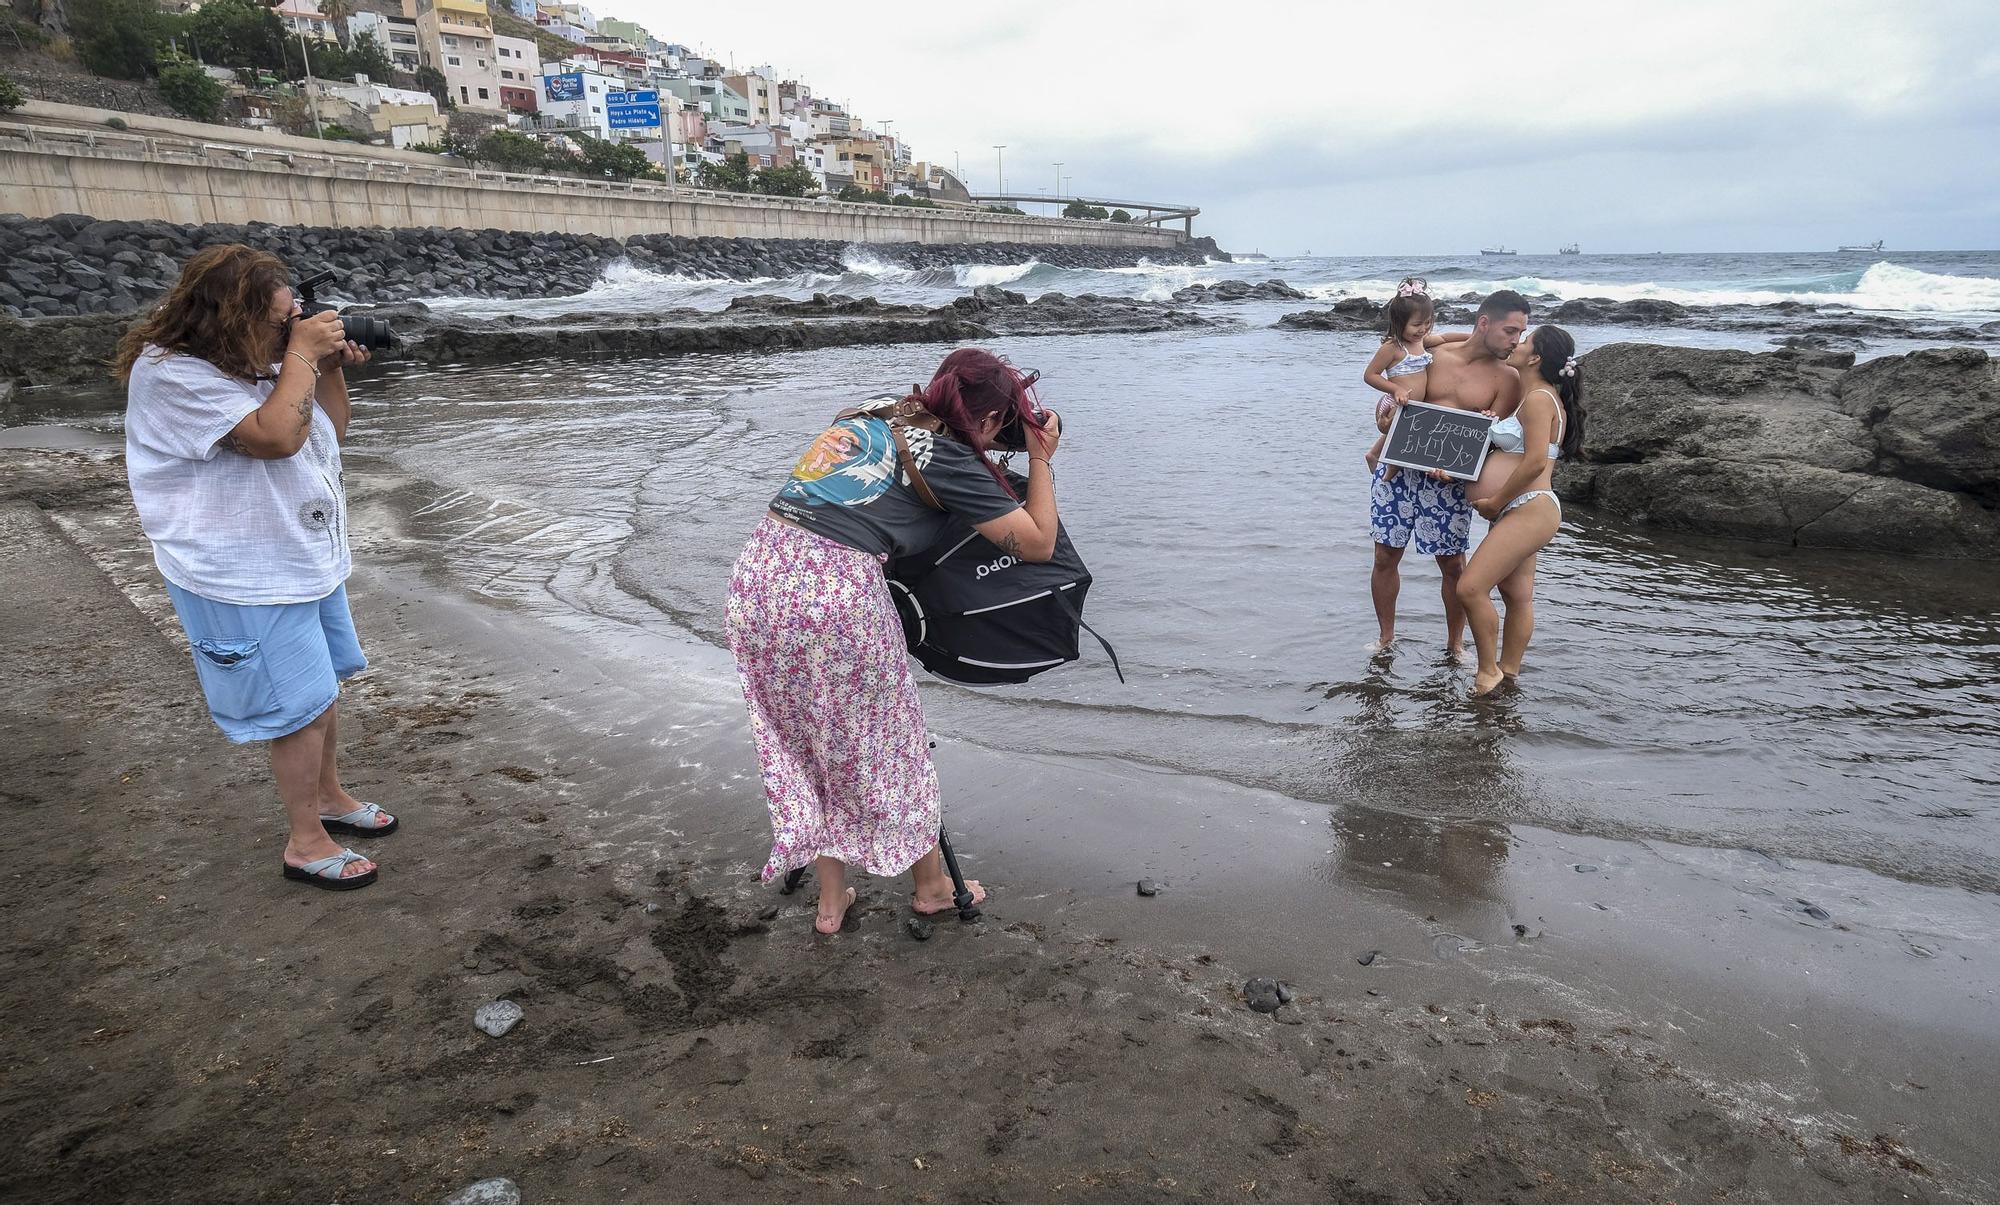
{"x": 336, "y": 13}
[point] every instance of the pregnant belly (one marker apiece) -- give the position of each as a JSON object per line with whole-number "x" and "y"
{"x": 1493, "y": 474}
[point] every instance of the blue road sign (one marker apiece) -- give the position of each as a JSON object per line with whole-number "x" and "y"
{"x": 567, "y": 86}
{"x": 632, "y": 110}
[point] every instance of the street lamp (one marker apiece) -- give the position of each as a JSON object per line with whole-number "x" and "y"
{"x": 1000, "y": 168}
{"x": 305, "y": 59}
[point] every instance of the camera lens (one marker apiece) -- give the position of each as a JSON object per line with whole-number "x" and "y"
{"x": 371, "y": 333}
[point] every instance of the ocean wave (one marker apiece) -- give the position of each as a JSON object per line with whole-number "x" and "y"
{"x": 974, "y": 276}
{"x": 1883, "y": 286}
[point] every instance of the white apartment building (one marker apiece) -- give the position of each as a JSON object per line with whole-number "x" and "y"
{"x": 303, "y": 17}
{"x": 397, "y": 36}
{"x": 520, "y": 72}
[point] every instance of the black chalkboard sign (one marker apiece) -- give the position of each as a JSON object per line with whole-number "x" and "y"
{"x": 1438, "y": 437}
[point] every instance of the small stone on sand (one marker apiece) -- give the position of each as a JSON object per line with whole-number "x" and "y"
{"x": 1368, "y": 959}
{"x": 1262, "y": 995}
{"x": 918, "y": 928}
{"x": 496, "y": 1191}
{"x": 1148, "y": 887}
{"x": 496, "y": 1019}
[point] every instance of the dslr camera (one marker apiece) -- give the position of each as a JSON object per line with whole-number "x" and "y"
{"x": 1012, "y": 437}
{"x": 371, "y": 333}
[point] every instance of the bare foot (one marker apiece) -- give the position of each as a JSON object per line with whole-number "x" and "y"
{"x": 1512, "y": 671}
{"x": 1455, "y": 655}
{"x": 1381, "y": 644}
{"x": 1485, "y": 681}
{"x": 830, "y": 918}
{"x": 927, "y": 905}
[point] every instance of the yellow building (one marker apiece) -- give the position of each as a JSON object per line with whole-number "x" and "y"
{"x": 456, "y": 37}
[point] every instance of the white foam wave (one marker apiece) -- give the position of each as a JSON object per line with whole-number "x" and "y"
{"x": 1884, "y": 287}
{"x": 860, "y": 261}
{"x": 972, "y": 276}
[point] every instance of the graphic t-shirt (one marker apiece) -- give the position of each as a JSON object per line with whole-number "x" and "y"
{"x": 225, "y": 526}
{"x": 851, "y": 488}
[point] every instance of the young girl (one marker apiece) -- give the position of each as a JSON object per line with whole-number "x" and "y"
{"x": 1401, "y": 366}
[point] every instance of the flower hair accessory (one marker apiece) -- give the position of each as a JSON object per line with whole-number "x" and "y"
{"x": 1413, "y": 286}
{"x": 1569, "y": 367}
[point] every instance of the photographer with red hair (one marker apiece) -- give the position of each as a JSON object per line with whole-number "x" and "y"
{"x": 834, "y": 709}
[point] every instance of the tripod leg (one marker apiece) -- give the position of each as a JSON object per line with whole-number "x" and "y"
{"x": 961, "y": 895}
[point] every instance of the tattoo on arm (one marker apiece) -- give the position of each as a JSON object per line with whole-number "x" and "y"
{"x": 234, "y": 444}
{"x": 1010, "y": 544}
{"x": 306, "y": 410}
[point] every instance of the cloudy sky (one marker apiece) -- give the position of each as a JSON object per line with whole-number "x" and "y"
{"x": 1386, "y": 128}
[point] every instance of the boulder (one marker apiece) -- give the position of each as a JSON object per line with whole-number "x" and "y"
{"x": 1795, "y": 446}
{"x": 1935, "y": 417}
{"x": 1240, "y": 290}
{"x": 1347, "y": 314}
{"x": 1602, "y": 311}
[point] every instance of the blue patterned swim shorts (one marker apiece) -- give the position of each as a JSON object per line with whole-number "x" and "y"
{"x": 1411, "y": 504}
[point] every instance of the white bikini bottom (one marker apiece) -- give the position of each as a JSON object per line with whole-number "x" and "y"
{"x": 1549, "y": 494}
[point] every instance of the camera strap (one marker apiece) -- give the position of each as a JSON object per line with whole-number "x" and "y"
{"x": 895, "y": 422}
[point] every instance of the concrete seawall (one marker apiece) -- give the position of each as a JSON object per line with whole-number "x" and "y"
{"x": 64, "y": 159}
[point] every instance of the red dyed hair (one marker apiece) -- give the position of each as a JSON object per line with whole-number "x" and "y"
{"x": 972, "y": 386}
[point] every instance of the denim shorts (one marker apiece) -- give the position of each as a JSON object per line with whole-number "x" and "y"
{"x": 1412, "y": 505}
{"x": 268, "y": 671}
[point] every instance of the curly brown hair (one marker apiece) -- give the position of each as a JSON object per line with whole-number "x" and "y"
{"x": 215, "y": 312}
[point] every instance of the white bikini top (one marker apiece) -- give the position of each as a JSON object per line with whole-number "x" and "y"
{"x": 1507, "y": 435}
{"x": 1408, "y": 365}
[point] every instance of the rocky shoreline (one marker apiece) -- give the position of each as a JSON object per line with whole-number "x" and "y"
{"x": 1825, "y": 328}
{"x": 1898, "y": 455}
{"x": 71, "y": 264}
{"x": 77, "y": 350}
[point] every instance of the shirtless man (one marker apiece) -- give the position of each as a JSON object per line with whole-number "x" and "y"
{"x": 1431, "y": 507}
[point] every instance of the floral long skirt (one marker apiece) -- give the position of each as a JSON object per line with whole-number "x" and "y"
{"x": 834, "y": 710}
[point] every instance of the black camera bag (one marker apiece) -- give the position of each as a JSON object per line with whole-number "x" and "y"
{"x": 974, "y": 615}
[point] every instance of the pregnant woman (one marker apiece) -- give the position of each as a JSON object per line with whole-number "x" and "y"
{"x": 1514, "y": 494}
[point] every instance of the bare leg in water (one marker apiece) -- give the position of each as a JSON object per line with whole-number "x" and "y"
{"x": 1513, "y": 539}
{"x": 1385, "y": 582}
{"x": 1517, "y": 590}
{"x": 1450, "y": 568}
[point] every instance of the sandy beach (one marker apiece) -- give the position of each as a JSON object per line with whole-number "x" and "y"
{"x": 1499, "y": 1015}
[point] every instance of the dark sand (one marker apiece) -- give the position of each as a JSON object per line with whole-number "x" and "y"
{"x": 582, "y": 824}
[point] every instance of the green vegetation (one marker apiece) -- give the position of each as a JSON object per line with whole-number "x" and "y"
{"x": 511, "y": 151}
{"x": 431, "y": 80}
{"x": 10, "y": 94}
{"x": 191, "y": 91}
{"x": 331, "y": 61}
{"x": 120, "y": 38}
{"x": 1019, "y": 213}
{"x": 340, "y": 133}
{"x": 854, "y": 192}
{"x": 507, "y": 25}
{"x": 1093, "y": 213}
{"x": 1120, "y": 215}
{"x": 734, "y": 174}
{"x": 794, "y": 180}
{"x": 238, "y": 33}
{"x": 909, "y": 202}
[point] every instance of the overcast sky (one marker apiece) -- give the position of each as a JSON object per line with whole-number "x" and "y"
{"x": 1390, "y": 128}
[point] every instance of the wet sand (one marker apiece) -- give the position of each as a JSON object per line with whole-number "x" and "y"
{"x": 1545, "y": 1017}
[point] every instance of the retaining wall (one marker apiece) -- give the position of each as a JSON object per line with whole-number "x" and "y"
{"x": 63, "y": 159}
